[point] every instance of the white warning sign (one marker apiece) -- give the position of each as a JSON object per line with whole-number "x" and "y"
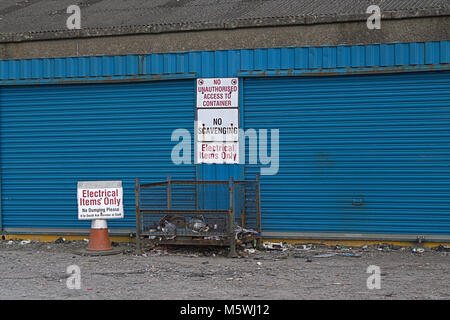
{"x": 217, "y": 93}
{"x": 100, "y": 200}
{"x": 217, "y": 125}
{"x": 218, "y": 152}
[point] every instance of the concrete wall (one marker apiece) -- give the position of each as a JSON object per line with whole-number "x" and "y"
{"x": 397, "y": 30}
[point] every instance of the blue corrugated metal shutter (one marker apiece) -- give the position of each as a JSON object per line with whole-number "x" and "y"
{"x": 364, "y": 154}
{"x": 54, "y": 136}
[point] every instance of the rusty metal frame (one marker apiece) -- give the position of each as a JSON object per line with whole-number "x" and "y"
{"x": 226, "y": 239}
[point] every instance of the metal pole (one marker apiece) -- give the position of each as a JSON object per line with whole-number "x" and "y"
{"x": 258, "y": 208}
{"x": 233, "y": 253}
{"x": 169, "y": 193}
{"x": 137, "y": 188}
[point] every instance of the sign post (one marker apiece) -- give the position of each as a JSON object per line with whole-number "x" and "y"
{"x": 99, "y": 201}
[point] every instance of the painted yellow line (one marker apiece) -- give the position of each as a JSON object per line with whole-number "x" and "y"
{"x": 357, "y": 243}
{"x": 345, "y": 243}
{"x": 51, "y": 238}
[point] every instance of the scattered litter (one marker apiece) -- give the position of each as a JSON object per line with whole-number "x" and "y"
{"x": 325, "y": 255}
{"x": 418, "y": 250}
{"x": 228, "y": 279}
{"x": 250, "y": 250}
{"x": 303, "y": 247}
{"x": 10, "y": 242}
{"x": 445, "y": 248}
{"x": 86, "y": 240}
{"x": 351, "y": 254}
{"x": 273, "y": 245}
{"x": 259, "y": 264}
{"x": 241, "y": 232}
{"x": 309, "y": 260}
{"x": 60, "y": 240}
{"x": 25, "y": 241}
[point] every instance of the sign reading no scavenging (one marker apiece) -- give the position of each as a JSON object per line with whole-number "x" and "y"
{"x": 100, "y": 200}
{"x": 217, "y": 121}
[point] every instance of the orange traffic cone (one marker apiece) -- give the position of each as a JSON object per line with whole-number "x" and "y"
{"x": 99, "y": 239}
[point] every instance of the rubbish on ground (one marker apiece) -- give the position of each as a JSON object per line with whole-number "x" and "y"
{"x": 303, "y": 247}
{"x": 86, "y": 240}
{"x": 25, "y": 241}
{"x": 241, "y": 232}
{"x": 10, "y": 242}
{"x": 273, "y": 245}
{"x": 259, "y": 264}
{"x": 351, "y": 254}
{"x": 309, "y": 260}
{"x": 418, "y": 250}
{"x": 60, "y": 240}
{"x": 445, "y": 248}
{"x": 325, "y": 255}
{"x": 250, "y": 250}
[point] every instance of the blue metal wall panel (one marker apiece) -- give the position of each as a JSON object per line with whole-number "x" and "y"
{"x": 358, "y": 154}
{"x": 54, "y": 136}
{"x": 342, "y": 59}
{"x": 229, "y": 63}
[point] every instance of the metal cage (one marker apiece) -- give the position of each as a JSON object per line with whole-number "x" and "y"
{"x": 216, "y": 213}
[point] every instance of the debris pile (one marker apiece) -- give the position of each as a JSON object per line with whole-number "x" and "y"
{"x": 212, "y": 228}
